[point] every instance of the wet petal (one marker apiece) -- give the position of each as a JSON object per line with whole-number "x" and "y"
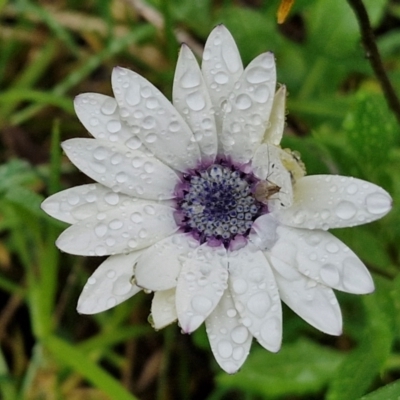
{"x": 256, "y": 296}
{"x": 100, "y": 116}
{"x": 201, "y": 283}
{"x": 109, "y": 285}
{"x": 263, "y": 232}
{"x": 332, "y": 201}
{"x": 323, "y": 258}
{"x": 128, "y": 171}
{"x": 230, "y": 340}
{"x": 191, "y": 99}
{"x": 248, "y": 109}
{"x": 120, "y": 230}
{"x": 159, "y": 265}
{"x": 163, "y": 310}
{"x": 277, "y": 188}
{"x": 154, "y": 120}
{"x": 221, "y": 67}
{"x": 81, "y": 202}
{"x": 274, "y": 131}
{"x": 313, "y": 302}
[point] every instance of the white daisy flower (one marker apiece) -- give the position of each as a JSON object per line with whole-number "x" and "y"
{"x": 196, "y": 202}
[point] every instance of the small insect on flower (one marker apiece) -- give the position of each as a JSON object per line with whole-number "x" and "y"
{"x": 264, "y": 190}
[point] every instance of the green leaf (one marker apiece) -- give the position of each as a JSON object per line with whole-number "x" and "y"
{"x": 389, "y": 392}
{"x": 299, "y": 368}
{"x": 357, "y": 372}
{"x": 371, "y": 131}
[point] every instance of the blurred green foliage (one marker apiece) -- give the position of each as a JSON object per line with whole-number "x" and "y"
{"x": 339, "y": 121}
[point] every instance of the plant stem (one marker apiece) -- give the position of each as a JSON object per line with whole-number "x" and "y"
{"x": 372, "y": 53}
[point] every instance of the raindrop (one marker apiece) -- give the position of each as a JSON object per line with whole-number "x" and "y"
{"x": 174, "y": 126}
{"x": 94, "y": 121}
{"x": 136, "y": 218}
{"x": 149, "y": 122}
{"x": 109, "y": 106}
{"x": 149, "y": 167}
{"x": 149, "y": 210}
{"x": 345, "y": 210}
{"x": 142, "y": 233}
{"x": 231, "y": 313}
{"x": 132, "y": 95}
{"x": 352, "y": 188}
{"x": 111, "y": 274}
{"x": 100, "y": 250}
{"x": 271, "y": 332}
{"x": 137, "y": 162}
{"x": 100, "y": 230}
{"x": 201, "y": 304}
{"x": 224, "y": 349}
{"x": 116, "y": 159}
{"x": 239, "y": 286}
{"x": 330, "y": 274}
{"x": 121, "y": 286}
{"x": 133, "y": 143}
{"x": 239, "y": 334}
{"x": 92, "y": 280}
{"x": 132, "y": 244}
{"x": 261, "y": 94}
{"x": 121, "y": 177}
{"x": 114, "y": 126}
{"x": 111, "y": 198}
{"x": 190, "y": 79}
{"x": 111, "y": 302}
{"x": 259, "y": 304}
{"x": 221, "y": 78}
{"x": 231, "y": 58}
{"x": 243, "y": 102}
{"x": 100, "y": 153}
{"x": 378, "y": 203}
{"x": 96, "y": 167}
{"x": 257, "y": 75}
{"x": 73, "y": 199}
{"x": 195, "y": 101}
{"x": 332, "y": 247}
{"x": 152, "y": 103}
{"x": 151, "y": 138}
{"x": 116, "y": 224}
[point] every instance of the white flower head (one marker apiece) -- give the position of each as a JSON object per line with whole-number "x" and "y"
{"x": 196, "y": 202}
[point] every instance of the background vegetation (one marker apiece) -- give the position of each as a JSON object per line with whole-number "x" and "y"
{"x": 339, "y": 120}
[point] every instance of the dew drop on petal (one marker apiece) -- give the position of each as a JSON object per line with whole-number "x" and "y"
{"x": 257, "y": 75}
{"x": 332, "y": 247}
{"x": 239, "y": 334}
{"x": 201, "y": 304}
{"x": 239, "y": 286}
{"x": 109, "y": 106}
{"x": 259, "y": 304}
{"x": 329, "y": 274}
{"x": 111, "y": 198}
{"x": 190, "y": 79}
{"x": 92, "y": 281}
{"x": 378, "y": 203}
{"x": 114, "y": 126}
{"x": 345, "y": 210}
{"x": 111, "y": 274}
{"x": 136, "y": 218}
{"x": 243, "y": 102}
{"x": 224, "y": 349}
{"x": 195, "y": 101}
{"x": 111, "y": 302}
{"x": 121, "y": 286}
{"x": 133, "y": 143}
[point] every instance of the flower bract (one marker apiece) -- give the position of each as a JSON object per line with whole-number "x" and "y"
{"x": 196, "y": 202}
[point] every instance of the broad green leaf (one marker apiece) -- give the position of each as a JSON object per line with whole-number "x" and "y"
{"x": 357, "y": 372}
{"x": 388, "y": 392}
{"x": 299, "y": 368}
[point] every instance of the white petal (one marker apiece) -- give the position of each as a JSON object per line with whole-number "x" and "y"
{"x": 120, "y": 230}
{"x": 267, "y": 165}
{"x": 230, "y": 340}
{"x": 201, "y": 283}
{"x": 191, "y": 99}
{"x": 81, "y": 202}
{"x": 129, "y": 171}
{"x": 109, "y": 285}
{"x": 159, "y": 265}
{"x": 155, "y": 121}
{"x": 263, "y": 232}
{"x": 323, "y": 258}
{"x": 313, "y": 302}
{"x": 163, "y": 310}
{"x": 332, "y": 201}
{"x": 248, "y": 109}
{"x": 274, "y": 132}
{"x": 256, "y": 296}
{"x": 221, "y": 67}
{"x": 100, "y": 116}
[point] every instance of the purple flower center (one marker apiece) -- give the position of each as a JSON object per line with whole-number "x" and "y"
{"x": 217, "y": 203}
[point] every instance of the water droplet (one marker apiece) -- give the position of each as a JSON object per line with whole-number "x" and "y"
{"x": 121, "y": 177}
{"x": 345, "y": 210}
{"x": 137, "y": 162}
{"x": 201, "y": 304}
{"x": 231, "y": 313}
{"x": 73, "y": 199}
{"x": 238, "y": 354}
{"x": 206, "y": 123}
{"x": 121, "y": 286}
{"x": 132, "y": 244}
{"x": 111, "y": 274}
{"x": 174, "y": 126}
{"x": 149, "y": 210}
{"x": 221, "y": 78}
{"x": 136, "y": 218}
{"x": 152, "y": 103}
{"x": 109, "y": 106}
{"x": 259, "y": 304}
{"x": 149, "y": 167}
{"x": 116, "y": 224}
{"x": 149, "y": 122}
{"x": 151, "y": 138}
{"x": 195, "y": 101}
{"x": 271, "y": 333}
{"x": 332, "y": 247}
{"x": 142, "y": 233}
{"x": 111, "y": 198}
{"x": 261, "y": 94}
{"x": 133, "y": 143}
{"x": 329, "y": 274}
{"x": 378, "y": 203}
{"x": 257, "y": 75}
{"x": 111, "y": 302}
{"x": 114, "y": 126}
{"x": 100, "y": 250}
{"x": 94, "y": 121}
{"x": 100, "y": 230}
{"x": 100, "y": 153}
{"x": 243, "y": 102}
{"x": 239, "y": 286}
{"x": 190, "y": 79}
{"x": 92, "y": 280}
{"x": 231, "y": 58}
{"x": 239, "y": 334}
{"x": 352, "y": 188}
{"x": 224, "y": 348}
{"x": 132, "y": 95}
